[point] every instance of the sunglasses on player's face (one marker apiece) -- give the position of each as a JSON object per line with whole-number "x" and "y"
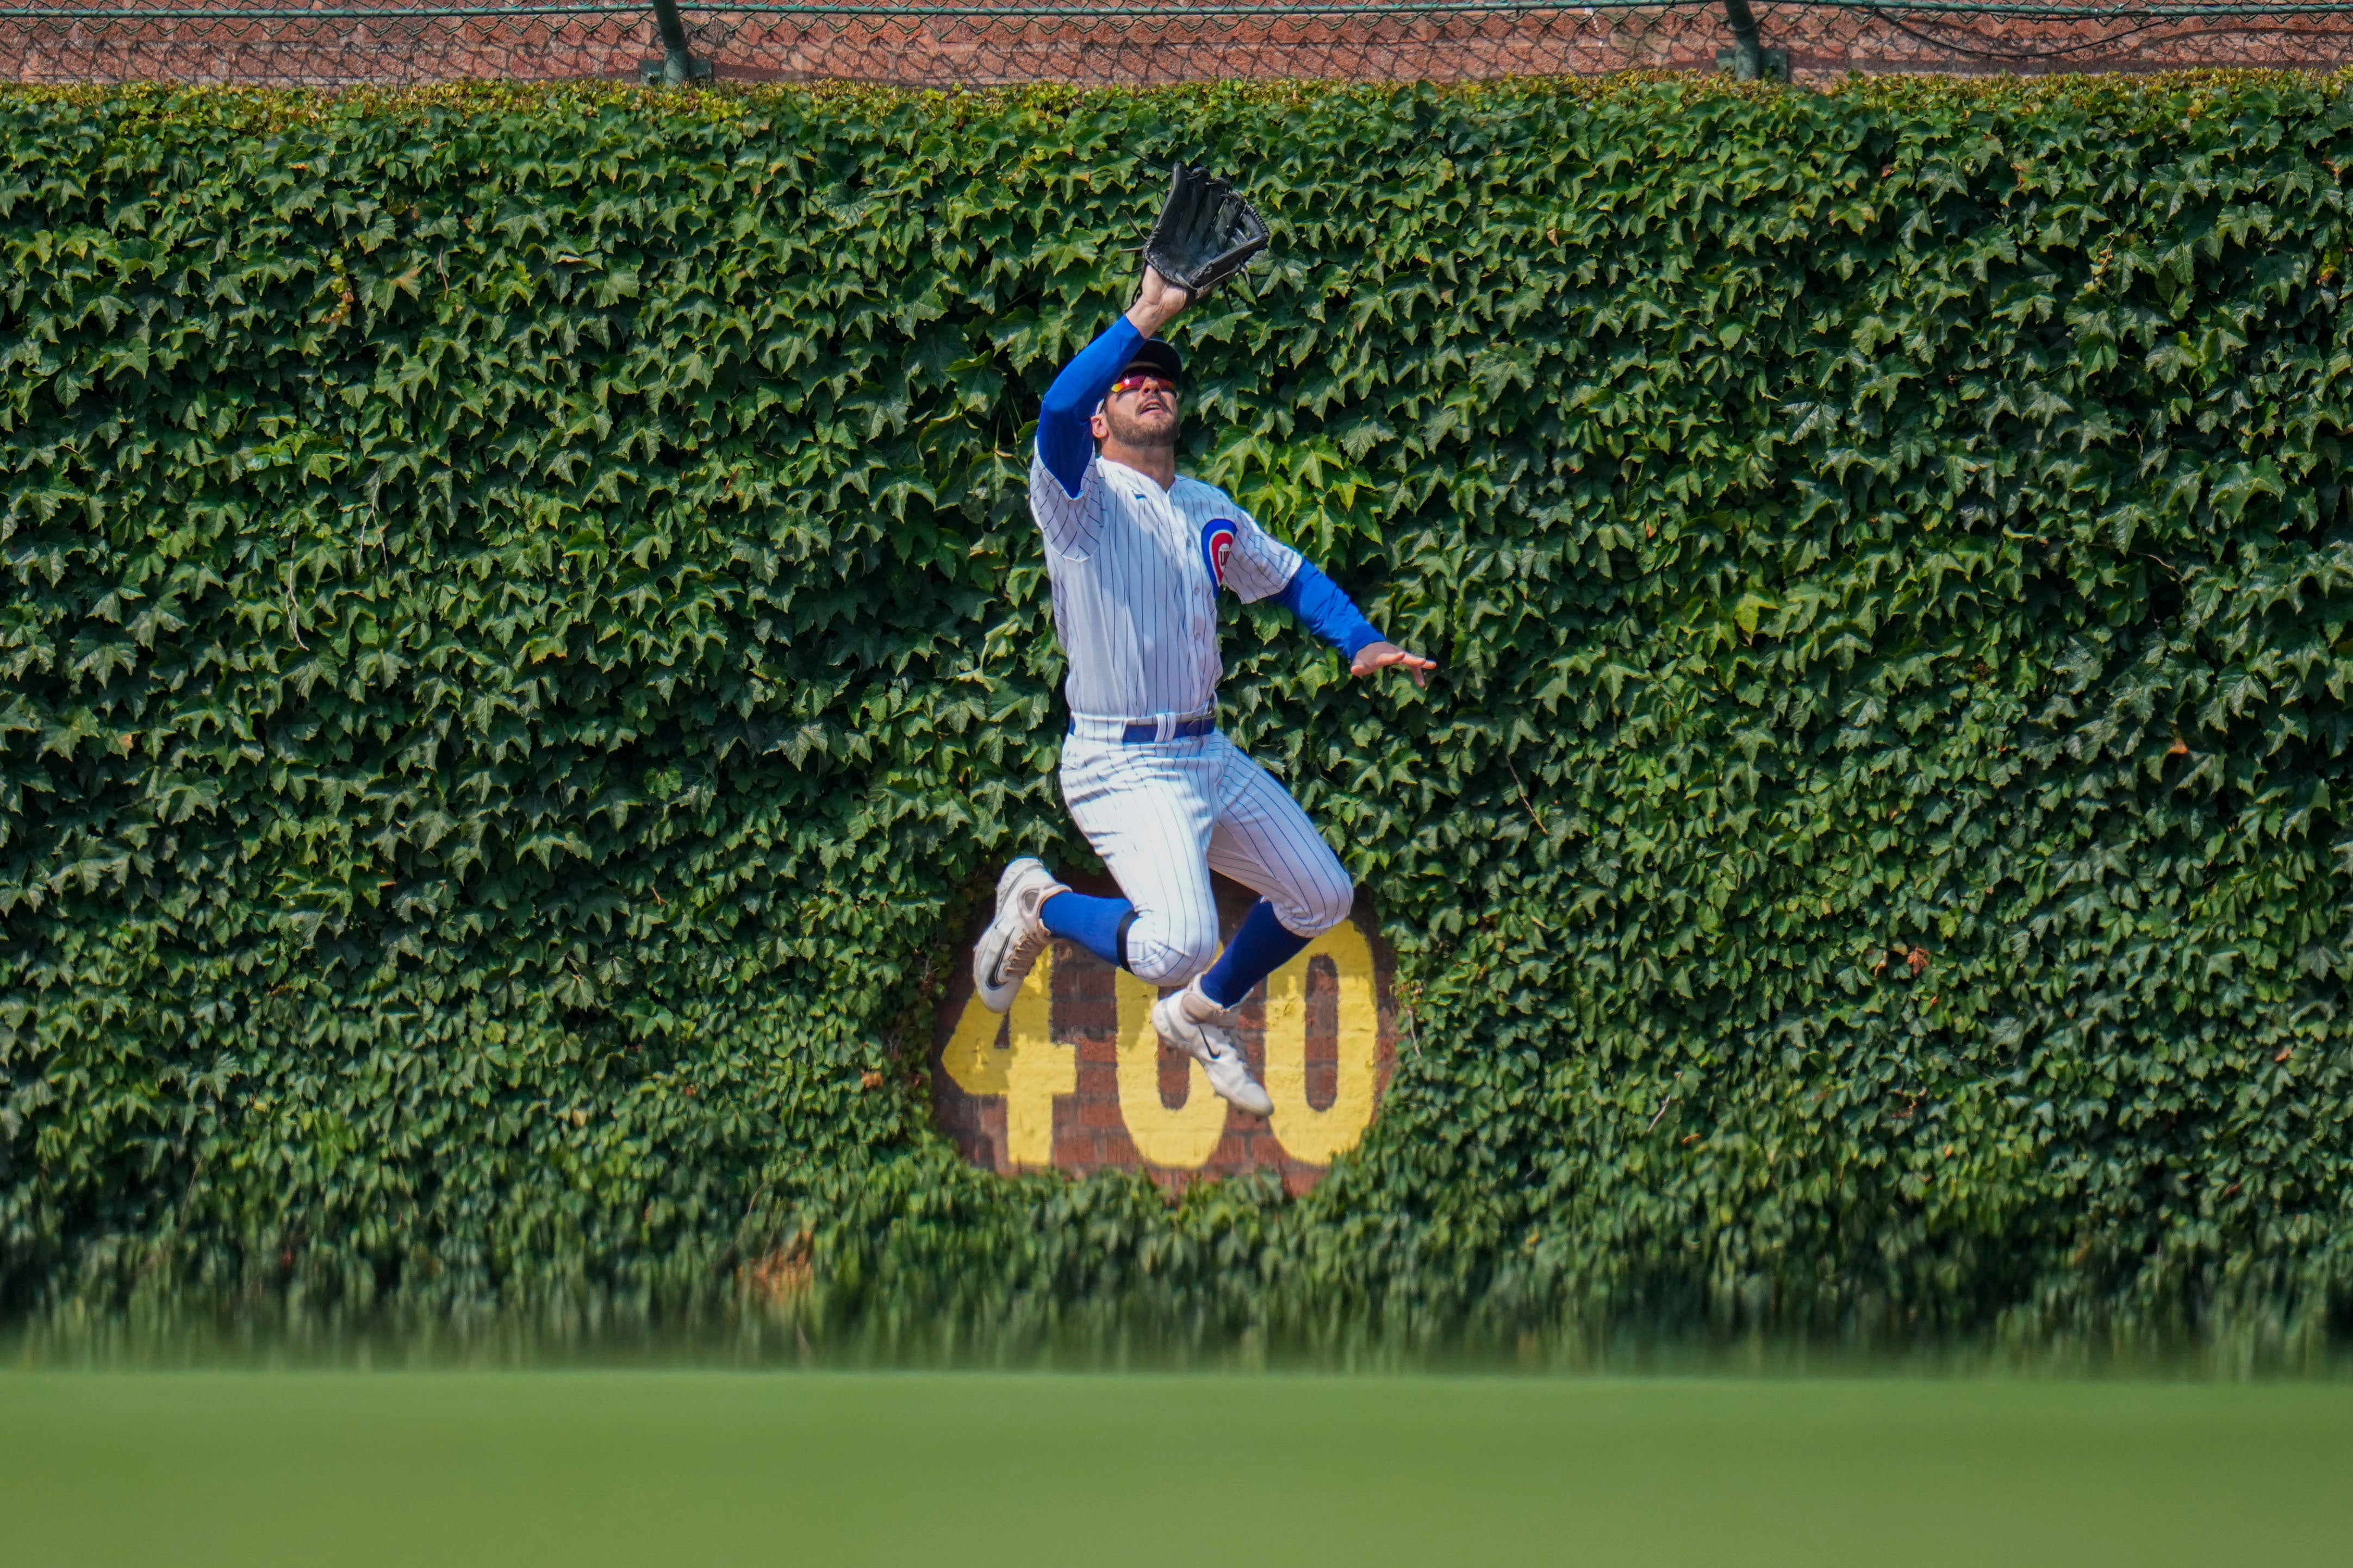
{"x": 1144, "y": 384}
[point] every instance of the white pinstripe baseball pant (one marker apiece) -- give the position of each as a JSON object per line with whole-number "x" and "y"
{"x": 1163, "y": 814}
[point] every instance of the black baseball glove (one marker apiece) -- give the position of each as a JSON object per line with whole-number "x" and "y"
{"x": 1206, "y": 234}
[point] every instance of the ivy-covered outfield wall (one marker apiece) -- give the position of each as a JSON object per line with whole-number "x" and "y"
{"x": 524, "y": 648}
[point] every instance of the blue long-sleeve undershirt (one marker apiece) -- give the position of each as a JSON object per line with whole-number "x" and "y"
{"x": 1065, "y": 437}
{"x": 1066, "y": 441}
{"x": 1329, "y": 613}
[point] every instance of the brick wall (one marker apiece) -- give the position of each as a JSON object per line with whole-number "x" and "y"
{"x": 395, "y": 45}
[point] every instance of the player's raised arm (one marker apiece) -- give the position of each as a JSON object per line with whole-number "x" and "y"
{"x": 1065, "y": 441}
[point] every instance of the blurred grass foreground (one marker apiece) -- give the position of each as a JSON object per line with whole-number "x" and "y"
{"x": 586, "y": 1468}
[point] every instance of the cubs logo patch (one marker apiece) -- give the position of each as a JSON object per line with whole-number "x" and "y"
{"x": 1217, "y": 543}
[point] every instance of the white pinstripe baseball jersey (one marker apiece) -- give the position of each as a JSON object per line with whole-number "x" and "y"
{"x": 1135, "y": 574}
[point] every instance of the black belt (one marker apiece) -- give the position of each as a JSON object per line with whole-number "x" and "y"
{"x": 1140, "y": 734}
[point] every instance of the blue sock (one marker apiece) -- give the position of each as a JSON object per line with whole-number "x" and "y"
{"x": 1258, "y": 950}
{"x": 1093, "y": 923}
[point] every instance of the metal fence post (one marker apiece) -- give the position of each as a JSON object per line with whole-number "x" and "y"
{"x": 678, "y": 65}
{"x": 1749, "y": 59}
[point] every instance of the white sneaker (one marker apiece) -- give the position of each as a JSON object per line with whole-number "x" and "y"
{"x": 1002, "y": 958}
{"x": 1205, "y": 1031}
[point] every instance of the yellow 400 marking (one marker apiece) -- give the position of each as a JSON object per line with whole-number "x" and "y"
{"x": 1034, "y": 1067}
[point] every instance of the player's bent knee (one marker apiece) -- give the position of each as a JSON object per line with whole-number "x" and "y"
{"x": 1170, "y": 956}
{"x": 1317, "y": 908}
{"x": 1332, "y": 907}
{"x": 1170, "y": 965}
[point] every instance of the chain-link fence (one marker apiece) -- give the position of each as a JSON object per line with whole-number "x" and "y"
{"x": 974, "y": 42}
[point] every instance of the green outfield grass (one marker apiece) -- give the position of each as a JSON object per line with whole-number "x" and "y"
{"x": 969, "y": 1471}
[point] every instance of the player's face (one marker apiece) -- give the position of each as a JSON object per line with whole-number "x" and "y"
{"x": 1141, "y": 411}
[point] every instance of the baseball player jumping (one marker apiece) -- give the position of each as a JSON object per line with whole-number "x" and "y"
{"x": 1136, "y": 554}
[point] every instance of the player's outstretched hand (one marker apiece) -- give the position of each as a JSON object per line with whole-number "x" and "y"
{"x": 1157, "y": 303}
{"x": 1378, "y": 656}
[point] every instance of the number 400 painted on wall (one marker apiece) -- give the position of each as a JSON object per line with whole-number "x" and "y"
{"x": 1034, "y": 1067}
